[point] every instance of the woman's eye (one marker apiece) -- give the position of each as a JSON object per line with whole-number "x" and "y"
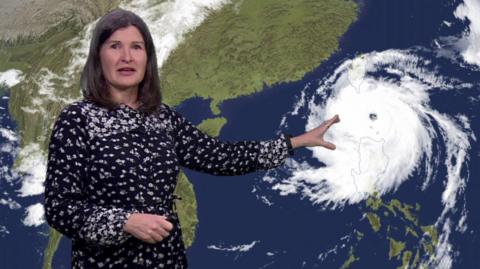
{"x": 137, "y": 47}
{"x": 114, "y": 46}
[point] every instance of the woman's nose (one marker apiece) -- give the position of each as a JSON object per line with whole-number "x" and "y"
{"x": 126, "y": 55}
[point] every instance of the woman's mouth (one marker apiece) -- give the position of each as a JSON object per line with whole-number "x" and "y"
{"x": 126, "y": 71}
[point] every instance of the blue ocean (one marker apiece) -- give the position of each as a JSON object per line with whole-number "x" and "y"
{"x": 243, "y": 223}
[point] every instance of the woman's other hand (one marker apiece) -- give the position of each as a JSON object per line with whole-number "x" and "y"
{"x": 314, "y": 137}
{"x": 148, "y": 227}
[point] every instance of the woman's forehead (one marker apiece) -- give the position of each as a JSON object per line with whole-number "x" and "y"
{"x": 126, "y": 34}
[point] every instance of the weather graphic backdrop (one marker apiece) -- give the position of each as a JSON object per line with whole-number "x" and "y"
{"x": 401, "y": 189}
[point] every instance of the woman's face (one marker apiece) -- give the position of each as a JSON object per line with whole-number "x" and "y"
{"x": 124, "y": 59}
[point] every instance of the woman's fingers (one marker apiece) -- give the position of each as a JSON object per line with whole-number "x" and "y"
{"x": 333, "y": 120}
{"x": 329, "y": 145}
{"x": 149, "y": 228}
{"x": 326, "y": 125}
{"x": 145, "y": 237}
{"x": 158, "y": 236}
{"x": 161, "y": 231}
{"x": 160, "y": 228}
{"x": 153, "y": 236}
{"x": 167, "y": 225}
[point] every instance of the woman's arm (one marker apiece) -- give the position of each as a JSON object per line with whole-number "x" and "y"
{"x": 201, "y": 152}
{"x": 67, "y": 208}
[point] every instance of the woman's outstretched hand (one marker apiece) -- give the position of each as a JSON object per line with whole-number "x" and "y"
{"x": 314, "y": 137}
{"x": 148, "y": 228}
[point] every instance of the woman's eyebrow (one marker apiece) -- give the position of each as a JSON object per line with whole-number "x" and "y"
{"x": 118, "y": 41}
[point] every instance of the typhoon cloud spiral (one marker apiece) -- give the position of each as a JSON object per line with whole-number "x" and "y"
{"x": 387, "y": 130}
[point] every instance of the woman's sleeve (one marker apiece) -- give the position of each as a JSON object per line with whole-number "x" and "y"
{"x": 201, "y": 152}
{"x": 67, "y": 208}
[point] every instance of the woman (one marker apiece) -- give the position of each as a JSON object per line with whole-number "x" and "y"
{"x": 114, "y": 156}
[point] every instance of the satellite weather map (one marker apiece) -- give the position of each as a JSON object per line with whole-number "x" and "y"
{"x": 403, "y": 75}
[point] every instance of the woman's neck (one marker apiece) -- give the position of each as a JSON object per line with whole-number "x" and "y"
{"x": 128, "y": 97}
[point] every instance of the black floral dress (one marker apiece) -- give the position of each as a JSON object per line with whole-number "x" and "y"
{"x": 104, "y": 165}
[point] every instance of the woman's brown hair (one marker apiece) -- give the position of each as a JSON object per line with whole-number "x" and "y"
{"x": 93, "y": 83}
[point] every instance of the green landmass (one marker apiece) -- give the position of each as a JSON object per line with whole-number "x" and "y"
{"x": 351, "y": 259}
{"x": 396, "y": 247}
{"x": 53, "y": 242}
{"x": 416, "y": 259}
{"x": 411, "y": 231}
{"x": 374, "y": 202}
{"x": 374, "y": 220}
{"x": 425, "y": 236}
{"x": 41, "y": 52}
{"x": 407, "y": 255}
{"x": 427, "y": 247}
{"x": 186, "y": 208}
{"x": 213, "y": 126}
{"x": 403, "y": 208}
{"x": 359, "y": 235}
{"x": 395, "y": 207}
{"x": 28, "y": 21}
{"x": 49, "y": 53}
{"x": 431, "y": 231}
{"x": 250, "y": 44}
